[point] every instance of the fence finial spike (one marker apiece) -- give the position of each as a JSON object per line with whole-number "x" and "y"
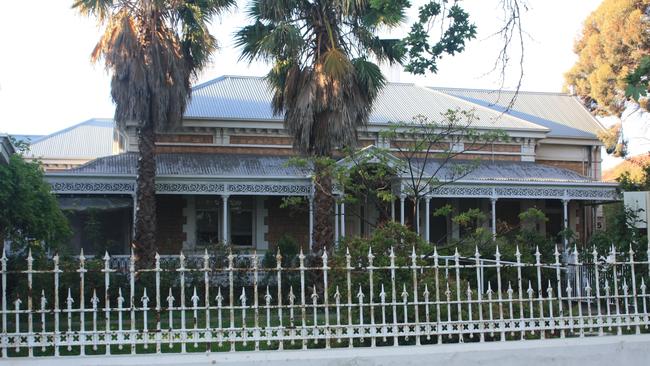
{"x": 242, "y": 298}
{"x": 29, "y": 256}
{"x": 106, "y": 256}
{"x": 205, "y": 254}
{"x": 517, "y": 252}
{"x": 302, "y": 254}
{"x": 435, "y": 250}
{"x": 476, "y": 252}
{"x": 497, "y": 254}
{"x": 575, "y": 249}
{"x": 631, "y": 251}
{"x": 81, "y": 254}
{"x": 4, "y": 254}
{"x": 556, "y": 252}
{"x": 391, "y": 254}
{"x": 324, "y": 256}
{"x": 144, "y": 299}
{"x": 219, "y": 297}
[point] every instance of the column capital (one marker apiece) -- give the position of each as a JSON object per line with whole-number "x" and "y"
{"x": 427, "y": 197}
{"x": 494, "y": 199}
{"x": 225, "y": 196}
{"x": 402, "y": 197}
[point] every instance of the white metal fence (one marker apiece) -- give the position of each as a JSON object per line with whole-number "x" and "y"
{"x": 52, "y": 307}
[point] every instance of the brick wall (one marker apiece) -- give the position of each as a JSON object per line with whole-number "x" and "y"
{"x": 283, "y": 221}
{"x": 193, "y": 139}
{"x": 494, "y": 148}
{"x": 169, "y": 229}
{"x": 260, "y": 140}
{"x": 576, "y": 166}
{"x": 227, "y": 150}
{"x": 406, "y": 144}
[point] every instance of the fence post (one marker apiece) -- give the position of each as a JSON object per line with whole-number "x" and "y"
{"x": 278, "y": 264}
{"x": 4, "y": 303}
{"x": 479, "y": 292}
{"x": 82, "y": 302}
{"x": 414, "y": 269}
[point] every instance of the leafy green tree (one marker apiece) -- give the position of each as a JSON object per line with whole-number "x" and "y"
{"x": 637, "y": 82}
{"x": 324, "y": 75}
{"x": 153, "y": 48}
{"x": 30, "y": 216}
{"x": 613, "y": 42}
{"x": 610, "y": 64}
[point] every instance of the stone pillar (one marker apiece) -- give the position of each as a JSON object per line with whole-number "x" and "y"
{"x": 135, "y": 210}
{"x": 224, "y": 218}
{"x": 427, "y": 234}
{"x": 343, "y": 219}
{"x": 336, "y": 223}
{"x": 311, "y": 222}
{"x": 565, "y": 221}
{"x": 417, "y": 216}
{"x": 493, "y": 202}
{"x": 401, "y": 208}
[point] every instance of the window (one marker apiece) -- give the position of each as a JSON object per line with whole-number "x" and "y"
{"x": 207, "y": 220}
{"x": 241, "y": 221}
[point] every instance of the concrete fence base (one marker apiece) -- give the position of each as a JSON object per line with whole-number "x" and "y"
{"x": 628, "y": 350}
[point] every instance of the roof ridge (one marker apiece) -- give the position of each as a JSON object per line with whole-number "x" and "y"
{"x": 440, "y": 88}
{"x": 539, "y": 127}
{"x": 70, "y": 128}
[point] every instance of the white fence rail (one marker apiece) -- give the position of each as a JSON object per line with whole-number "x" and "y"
{"x": 380, "y": 299}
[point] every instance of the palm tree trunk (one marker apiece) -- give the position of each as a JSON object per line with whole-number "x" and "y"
{"x": 145, "y": 216}
{"x": 324, "y": 210}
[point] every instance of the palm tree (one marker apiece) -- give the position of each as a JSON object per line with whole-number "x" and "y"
{"x": 324, "y": 75}
{"x": 153, "y": 48}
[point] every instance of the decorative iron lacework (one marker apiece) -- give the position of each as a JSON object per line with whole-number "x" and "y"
{"x": 541, "y": 192}
{"x": 189, "y": 187}
{"x": 287, "y": 189}
{"x": 92, "y": 187}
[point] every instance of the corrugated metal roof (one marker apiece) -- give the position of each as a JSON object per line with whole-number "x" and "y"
{"x": 209, "y": 165}
{"x": 30, "y": 139}
{"x": 518, "y": 171}
{"x": 88, "y": 139}
{"x": 561, "y": 113}
{"x": 241, "y": 165}
{"x": 249, "y": 98}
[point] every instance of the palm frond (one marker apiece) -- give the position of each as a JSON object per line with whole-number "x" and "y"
{"x": 100, "y": 9}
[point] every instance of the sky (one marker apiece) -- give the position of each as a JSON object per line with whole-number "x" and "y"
{"x": 48, "y": 83}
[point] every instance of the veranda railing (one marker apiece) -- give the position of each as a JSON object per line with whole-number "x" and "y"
{"x": 378, "y": 299}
